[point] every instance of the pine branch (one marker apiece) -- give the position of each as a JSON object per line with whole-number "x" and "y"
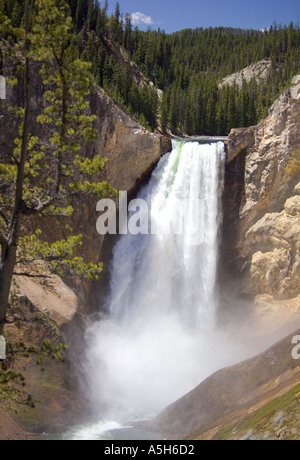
{"x": 14, "y": 158}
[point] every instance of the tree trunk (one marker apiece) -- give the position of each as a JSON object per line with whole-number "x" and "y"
{"x": 9, "y": 248}
{"x": 6, "y": 274}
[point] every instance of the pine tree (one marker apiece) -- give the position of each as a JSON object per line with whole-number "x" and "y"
{"x": 127, "y": 43}
{"x": 40, "y": 173}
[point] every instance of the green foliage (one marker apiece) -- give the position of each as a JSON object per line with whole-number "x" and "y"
{"x": 41, "y": 172}
{"x": 48, "y": 351}
{"x": 60, "y": 256}
{"x": 117, "y": 80}
{"x": 262, "y": 422}
{"x": 186, "y": 65}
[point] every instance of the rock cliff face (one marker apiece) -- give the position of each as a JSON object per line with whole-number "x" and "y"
{"x": 263, "y": 193}
{"x": 43, "y": 310}
{"x": 131, "y": 150}
{"x": 132, "y": 154}
{"x": 258, "y": 71}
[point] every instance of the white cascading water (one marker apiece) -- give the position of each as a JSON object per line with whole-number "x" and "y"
{"x": 158, "y": 340}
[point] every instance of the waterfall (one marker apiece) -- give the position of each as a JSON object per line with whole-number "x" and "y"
{"x": 152, "y": 345}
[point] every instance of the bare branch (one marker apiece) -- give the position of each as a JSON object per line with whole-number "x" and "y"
{"x": 29, "y": 275}
{"x": 4, "y": 217}
{"x": 41, "y": 206}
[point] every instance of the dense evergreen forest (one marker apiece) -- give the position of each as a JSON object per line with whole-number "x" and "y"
{"x": 187, "y": 66}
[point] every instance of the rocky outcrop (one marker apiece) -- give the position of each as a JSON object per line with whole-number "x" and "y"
{"x": 266, "y": 245}
{"x": 259, "y": 71}
{"x": 131, "y": 150}
{"x": 43, "y": 310}
{"x": 274, "y": 242}
{"x": 239, "y": 140}
{"x": 49, "y": 294}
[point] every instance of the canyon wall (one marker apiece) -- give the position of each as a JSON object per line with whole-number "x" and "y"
{"x": 132, "y": 153}
{"x": 262, "y": 203}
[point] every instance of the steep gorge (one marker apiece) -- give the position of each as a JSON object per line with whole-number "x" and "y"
{"x": 260, "y": 249}
{"x": 259, "y": 284}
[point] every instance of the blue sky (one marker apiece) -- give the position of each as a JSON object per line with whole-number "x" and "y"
{"x": 172, "y": 15}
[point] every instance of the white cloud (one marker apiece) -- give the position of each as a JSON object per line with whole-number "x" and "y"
{"x": 141, "y": 18}
{"x": 265, "y": 29}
